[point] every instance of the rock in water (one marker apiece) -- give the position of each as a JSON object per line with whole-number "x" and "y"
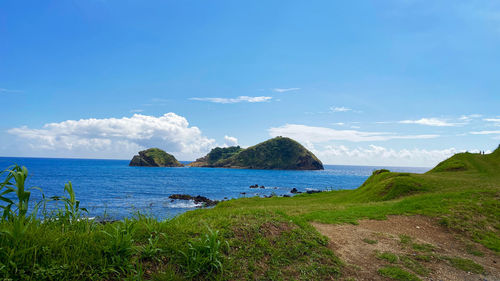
{"x": 154, "y": 157}
{"x": 279, "y": 153}
{"x": 197, "y": 199}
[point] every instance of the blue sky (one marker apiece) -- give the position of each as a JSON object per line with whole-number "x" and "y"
{"x": 358, "y": 82}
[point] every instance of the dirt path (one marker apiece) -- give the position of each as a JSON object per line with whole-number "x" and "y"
{"x": 416, "y": 244}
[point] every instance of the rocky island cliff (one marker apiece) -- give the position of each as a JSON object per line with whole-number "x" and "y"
{"x": 154, "y": 157}
{"x": 279, "y": 153}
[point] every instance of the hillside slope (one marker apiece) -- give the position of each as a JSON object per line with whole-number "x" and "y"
{"x": 471, "y": 162}
{"x": 215, "y": 155}
{"x": 279, "y": 153}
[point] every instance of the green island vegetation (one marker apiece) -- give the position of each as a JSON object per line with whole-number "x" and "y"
{"x": 215, "y": 155}
{"x": 248, "y": 238}
{"x": 154, "y": 157}
{"x": 278, "y": 153}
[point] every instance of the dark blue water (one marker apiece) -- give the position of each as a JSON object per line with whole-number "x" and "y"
{"x": 112, "y": 188}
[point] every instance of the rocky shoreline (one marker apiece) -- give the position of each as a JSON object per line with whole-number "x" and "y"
{"x": 207, "y": 202}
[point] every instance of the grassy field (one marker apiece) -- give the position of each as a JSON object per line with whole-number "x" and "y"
{"x": 250, "y": 238}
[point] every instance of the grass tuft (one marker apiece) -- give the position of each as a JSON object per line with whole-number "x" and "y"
{"x": 390, "y": 257}
{"x": 369, "y": 241}
{"x": 397, "y": 273}
{"x": 466, "y": 265}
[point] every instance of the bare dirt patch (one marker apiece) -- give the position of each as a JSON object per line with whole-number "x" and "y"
{"x": 416, "y": 238}
{"x": 273, "y": 229}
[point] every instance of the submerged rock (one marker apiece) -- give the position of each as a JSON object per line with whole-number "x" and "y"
{"x": 313, "y": 191}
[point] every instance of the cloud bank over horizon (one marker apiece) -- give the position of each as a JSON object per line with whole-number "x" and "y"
{"x": 117, "y": 137}
{"x": 120, "y": 138}
{"x": 314, "y": 134}
{"x": 374, "y": 155}
{"x": 320, "y": 140}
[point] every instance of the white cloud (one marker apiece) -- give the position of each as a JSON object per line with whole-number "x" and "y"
{"x": 283, "y": 90}
{"x": 485, "y": 133}
{"x": 469, "y": 117}
{"x": 496, "y": 121}
{"x": 429, "y": 122}
{"x": 235, "y": 100}
{"x": 311, "y": 134}
{"x": 340, "y": 109}
{"x": 117, "y": 137}
{"x": 136, "y": 110}
{"x": 230, "y": 141}
{"x": 380, "y": 156}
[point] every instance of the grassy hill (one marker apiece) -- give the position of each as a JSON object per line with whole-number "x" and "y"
{"x": 262, "y": 238}
{"x": 154, "y": 157}
{"x": 471, "y": 162}
{"x": 215, "y": 156}
{"x": 278, "y": 153}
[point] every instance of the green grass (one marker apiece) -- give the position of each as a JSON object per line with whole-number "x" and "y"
{"x": 466, "y": 265}
{"x": 370, "y": 241}
{"x": 219, "y": 244}
{"x": 390, "y": 257}
{"x": 472, "y": 249}
{"x": 414, "y": 265}
{"x": 422, "y": 247}
{"x": 244, "y": 239}
{"x": 405, "y": 239}
{"x": 397, "y": 273}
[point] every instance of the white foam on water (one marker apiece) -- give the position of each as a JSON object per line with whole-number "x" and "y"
{"x": 184, "y": 204}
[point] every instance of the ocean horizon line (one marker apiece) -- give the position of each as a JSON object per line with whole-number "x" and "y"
{"x": 189, "y": 161}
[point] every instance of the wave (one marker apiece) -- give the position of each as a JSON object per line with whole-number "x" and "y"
{"x": 184, "y": 204}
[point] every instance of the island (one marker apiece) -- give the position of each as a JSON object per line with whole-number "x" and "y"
{"x": 154, "y": 157}
{"x": 279, "y": 153}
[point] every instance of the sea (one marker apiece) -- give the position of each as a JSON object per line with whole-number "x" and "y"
{"x": 110, "y": 189}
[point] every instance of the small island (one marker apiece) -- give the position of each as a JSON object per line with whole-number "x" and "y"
{"x": 279, "y": 153}
{"x": 154, "y": 157}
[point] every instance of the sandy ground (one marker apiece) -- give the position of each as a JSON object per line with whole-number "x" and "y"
{"x": 347, "y": 241}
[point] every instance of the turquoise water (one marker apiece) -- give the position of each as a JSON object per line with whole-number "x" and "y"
{"x": 112, "y": 188}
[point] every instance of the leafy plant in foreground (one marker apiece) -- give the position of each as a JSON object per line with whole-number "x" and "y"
{"x": 19, "y": 175}
{"x": 204, "y": 255}
{"x": 15, "y": 220}
{"x": 151, "y": 249}
{"x": 15, "y": 212}
{"x": 72, "y": 211}
{"x": 120, "y": 237}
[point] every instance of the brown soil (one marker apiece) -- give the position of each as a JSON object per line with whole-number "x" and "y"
{"x": 270, "y": 229}
{"x": 349, "y": 242}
